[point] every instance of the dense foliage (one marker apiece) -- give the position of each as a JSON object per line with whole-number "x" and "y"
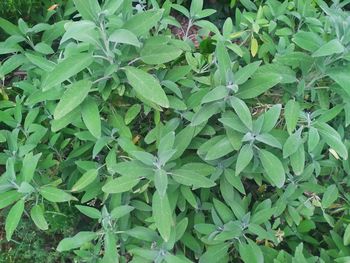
{"x": 228, "y": 142}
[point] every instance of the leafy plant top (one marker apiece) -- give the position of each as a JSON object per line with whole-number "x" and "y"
{"x": 230, "y": 145}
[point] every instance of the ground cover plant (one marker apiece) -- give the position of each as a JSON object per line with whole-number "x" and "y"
{"x": 225, "y": 142}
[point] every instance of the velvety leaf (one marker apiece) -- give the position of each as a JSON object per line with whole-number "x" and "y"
{"x": 332, "y": 138}
{"x": 161, "y": 181}
{"x": 292, "y": 144}
{"x": 291, "y": 113}
{"x": 76, "y": 241}
{"x": 66, "y": 69}
{"x": 147, "y": 86}
{"x": 30, "y": 162}
{"x": 309, "y": 41}
{"x": 346, "y": 237}
{"x": 257, "y": 85}
{"x": 121, "y": 211}
{"x": 330, "y": 196}
{"x": 215, "y": 253}
{"x": 8, "y": 198}
{"x": 120, "y": 184}
{"x": 37, "y": 215}
{"x": 125, "y": 37}
{"x": 86, "y": 179}
{"x": 332, "y": 47}
{"x": 141, "y": 23}
{"x": 91, "y": 116}
{"x": 242, "y": 111}
{"x": 191, "y": 178}
{"x": 245, "y": 155}
{"x": 159, "y": 54}
{"x": 88, "y": 9}
{"x": 13, "y": 218}
{"x": 89, "y": 211}
{"x": 273, "y": 168}
{"x": 55, "y": 195}
{"x": 251, "y": 252}
{"x": 162, "y": 215}
{"x": 72, "y": 98}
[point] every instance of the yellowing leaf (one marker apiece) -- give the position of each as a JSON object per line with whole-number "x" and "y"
{"x": 254, "y": 46}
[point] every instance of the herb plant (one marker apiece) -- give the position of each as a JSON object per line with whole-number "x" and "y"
{"x": 235, "y": 150}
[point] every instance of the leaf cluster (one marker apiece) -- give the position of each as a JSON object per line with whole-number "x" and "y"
{"x": 233, "y": 151}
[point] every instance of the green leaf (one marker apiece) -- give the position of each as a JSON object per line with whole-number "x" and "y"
{"x": 87, "y": 178}
{"x": 121, "y": 211}
{"x": 309, "y": 41}
{"x": 162, "y": 215}
{"x": 161, "y": 181}
{"x": 88, "y": 9}
{"x": 224, "y": 62}
{"x": 76, "y": 241}
{"x": 196, "y": 7}
{"x": 291, "y": 114}
{"x": 243, "y": 74}
{"x": 132, "y": 113}
{"x": 190, "y": 177}
{"x": 292, "y": 144}
{"x": 8, "y": 27}
{"x": 91, "y": 117}
{"x": 7, "y": 198}
{"x": 218, "y": 93}
{"x": 332, "y": 138}
{"x": 205, "y": 113}
{"x": 30, "y": 163}
{"x": 83, "y": 30}
{"x": 141, "y": 23}
{"x": 330, "y": 196}
{"x": 72, "y": 98}
{"x": 13, "y": 218}
{"x": 245, "y": 155}
{"x": 297, "y": 160}
{"x": 111, "y": 6}
{"x": 110, "y": 245}
{"x": 11, "y": 64}
{"x": 273, "y": 168}
{"x": 222, "y": 147}
{"x": 89, "y": 211}
{"x": 125, "y": 37}
{"x": 59, "y": 124}
{"x": 251, "y": 252}
{"x": 43, "y": 48}
{"x": 169, "y": 258}
{"x": 67, "y": 68}
{"x": 242, "y": 111}
{"x": 146, "y": 86}
{"x": 40, "y": 61}
{"x": 271, "y": 117}
{"x": 313, "y": 139}
{"x": 332, "y": 47}
{"x": 223, "y": 210}
{"x": 120, "y": 184}
{"x": 159, "y": 54}
{"x": 346, "y": 237}
{"x": 257, "y": 85}
{"x": 234, "y": 180}
{"x": 55, "y": 195}
{"x": 269, "y": 140}
{"x": 37, "y": 215}
{"x": 215, "y": 253}
{"x": 341, "y": 76}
